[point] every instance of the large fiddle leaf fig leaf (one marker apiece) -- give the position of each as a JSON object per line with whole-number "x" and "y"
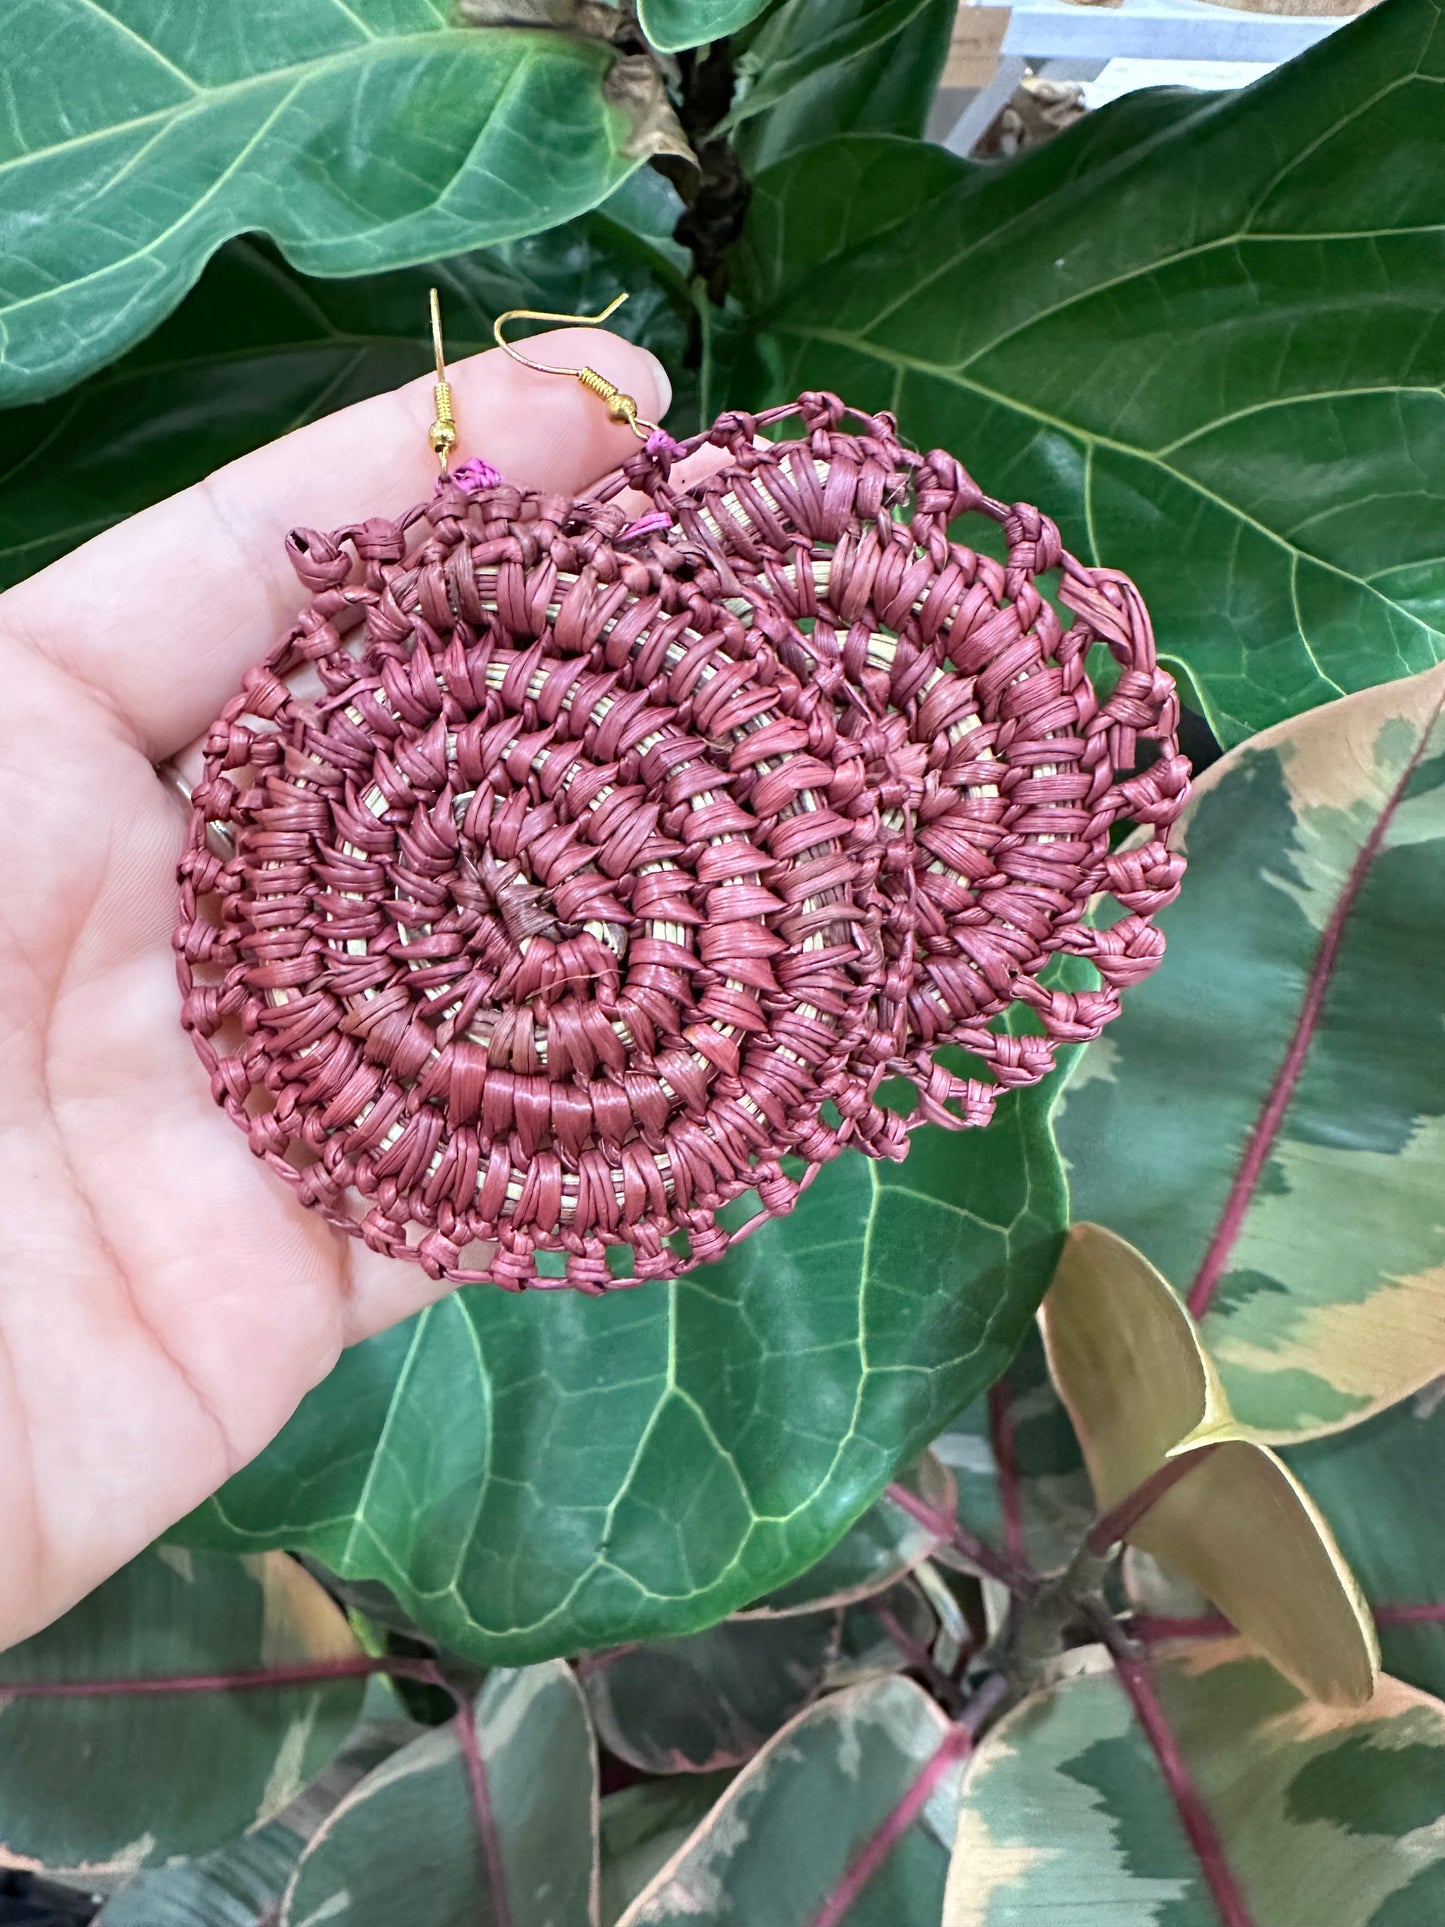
{"x": 507, "y": 1838}
{"x": 546, "y": 1473}
{"x": 885, "y": 1544}
{"x": 256, "y": 349}
{"x": 359, "y": 134}
{"x": 1266, "y": 1122}
{"x": 816, "y": 68}
{"x": 1198, "y": 1789}
{"x": 777, "y": 1849}
{"x": 1203, "y": 333}
{"x": 178, "y": 1772}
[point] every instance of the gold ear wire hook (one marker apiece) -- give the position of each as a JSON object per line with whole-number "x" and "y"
{"x": 620, "y": 407}
{"x": 442, "y": 435}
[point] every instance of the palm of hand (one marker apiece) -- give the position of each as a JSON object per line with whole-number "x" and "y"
{"x": 164, "y": 1301}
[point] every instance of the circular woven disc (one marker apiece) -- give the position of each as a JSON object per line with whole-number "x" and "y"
{"x": 563, "y": 877}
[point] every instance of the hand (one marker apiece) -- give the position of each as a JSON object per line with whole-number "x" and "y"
{"x": 164, "y": 1300}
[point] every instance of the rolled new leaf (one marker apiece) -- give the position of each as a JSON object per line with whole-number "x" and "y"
{"x": 1146, "y": 1402}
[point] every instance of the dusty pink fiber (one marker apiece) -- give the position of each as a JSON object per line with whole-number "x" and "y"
{"x": 547, "y": 893}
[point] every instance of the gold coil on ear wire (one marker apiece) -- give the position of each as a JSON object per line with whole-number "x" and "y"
{"x": 442, "y": 435}
{"x": 621, "y": 407}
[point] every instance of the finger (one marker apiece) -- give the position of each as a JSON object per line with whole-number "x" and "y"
{"x": 162, "y": 614}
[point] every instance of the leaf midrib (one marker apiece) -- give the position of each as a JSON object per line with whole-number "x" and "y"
{"x": 1263, "y": 1134}
{"x": 205, "y": 98}
{"x": 1092, "y": 438}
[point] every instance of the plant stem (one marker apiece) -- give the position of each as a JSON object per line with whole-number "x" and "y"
{"x": 1116, "y": 1524}
{"x": 978, "y": 1553}
{"x": 1136, "y": 1676}
{"x": 488, "y": 1836}
{"x": 945, "y": 1690}
{"x": 249, "y": 1679}
{"x": 957, "y": 1744}
{"x": 1005, "y": 1458}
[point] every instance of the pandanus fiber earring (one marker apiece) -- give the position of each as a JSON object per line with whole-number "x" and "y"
{"x": 572, "y": 870}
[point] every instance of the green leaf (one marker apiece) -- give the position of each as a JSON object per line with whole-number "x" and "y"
{"x": 1266, "y": 1121}
{"x": 241, "y": 1884}
{"x": 1020, "y": 1475}
{"x": 791, "y": 1824}
{"x": 1200, "y": 332}
{"x": 407, "y": 1843}
{"x": 672, "y": 25}
{"x": 168, "y": 1773}
{"x": 359, "y": 134}
{"x": 643, "y": 1827}
{"x": 544, "y": 1473}
{"x": 817, "y": 68}
{"x": 1377, "y": 1485}
{"x": 257, "y": 349}
{"x": 1308, "y": 1815}
{"x": 709, "y": 1701}
{"x": 233, "y": 1887}
{"x": 886, "y": 1543}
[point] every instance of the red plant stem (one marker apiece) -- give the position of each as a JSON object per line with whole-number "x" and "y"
{"x": 1005, "y": 1458}
{"x": 957, "y": 1744}
{"x": 482, "y": 1811}
{"x": 249, "y": 1679}
{"x": 922, "y": 1662}
{"x": 305, "y": 1673}
{"x": 1261, "y": 1139}
{"x": 1153, "y": 1626}
{"x": 1116, "y": 1524}
{"x": 987, "y": 1558}
{"x": 1135, "y": 1677}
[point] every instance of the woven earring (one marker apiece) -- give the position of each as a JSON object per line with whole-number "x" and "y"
{"x": 572, "y": 870}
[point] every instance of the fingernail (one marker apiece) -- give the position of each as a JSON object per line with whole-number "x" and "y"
{"x": 662, "y": 386}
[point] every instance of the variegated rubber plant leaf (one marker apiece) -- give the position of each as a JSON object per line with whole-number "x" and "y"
{"x": 358, "y": 134}
{"x": 168, "y": 1773}
{"x": 1266, "y": 1121}
{"x": 1199, "y": 1788}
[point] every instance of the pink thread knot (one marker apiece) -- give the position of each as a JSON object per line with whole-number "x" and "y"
{"x": 646, "y": 525}
{"x": 659, "y": 442}
{"x": 474, "y": 476}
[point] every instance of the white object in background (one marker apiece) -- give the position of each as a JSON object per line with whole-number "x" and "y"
{"x": 1122, "y": 77}
{"x": 1155, "y": 37}
{"x": 1163, "y": 30}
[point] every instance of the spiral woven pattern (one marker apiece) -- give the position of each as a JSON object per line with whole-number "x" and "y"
{"x": 566, "y": 875}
